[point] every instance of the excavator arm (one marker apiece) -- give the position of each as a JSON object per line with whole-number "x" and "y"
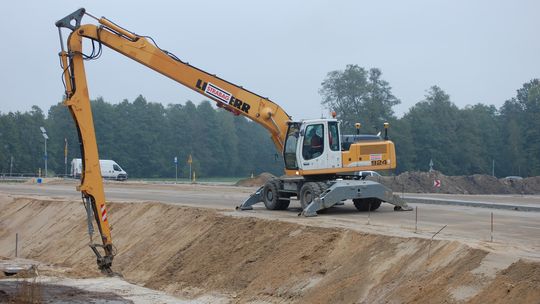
{"x": 144, "y": 50}
{"x": 77, "y": 101}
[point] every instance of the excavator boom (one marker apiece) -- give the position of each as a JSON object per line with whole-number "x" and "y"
{"x": 145, "y": 51}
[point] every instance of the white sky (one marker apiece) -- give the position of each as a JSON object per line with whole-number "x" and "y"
{"x": 477, "y": 51}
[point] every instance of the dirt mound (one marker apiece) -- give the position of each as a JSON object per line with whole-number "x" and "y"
{"x": 424, "y": 182}
{"x": 514, "y": 285}
{"x": 256, "y": 181}
{"x": 190, "y": 252}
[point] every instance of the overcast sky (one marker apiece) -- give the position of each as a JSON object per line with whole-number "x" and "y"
{"x": 477, "y": 51}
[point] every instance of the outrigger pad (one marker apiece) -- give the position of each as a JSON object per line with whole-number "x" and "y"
{"x": 400, "y": 204}
{"x": 255, "y": 198}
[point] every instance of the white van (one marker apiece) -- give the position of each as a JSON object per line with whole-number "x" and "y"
{"x": 109, "y": 169}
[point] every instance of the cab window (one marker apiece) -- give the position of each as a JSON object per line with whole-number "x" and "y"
{"x": 313, "y": 145}
{"x": 289, "y": 152}
{"x": 333, "y": 136}
{"x": 116, "y": 167}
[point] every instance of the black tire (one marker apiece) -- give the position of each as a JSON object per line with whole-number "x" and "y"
{"x": 323, "y": 186}
{"x": 271, "y": 196}
{"x": 364, "y": 204}
{"x": 309, "y": 191}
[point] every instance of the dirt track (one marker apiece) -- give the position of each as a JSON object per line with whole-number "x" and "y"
{"x": 194, "y": 253}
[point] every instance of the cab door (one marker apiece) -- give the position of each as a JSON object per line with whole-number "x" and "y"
{"x": 291, "y": 149}
{"x": 314, "y": 146}
{"x": 334, "y": 146}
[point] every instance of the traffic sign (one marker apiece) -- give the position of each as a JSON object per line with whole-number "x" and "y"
{"x": 437, "y": 183}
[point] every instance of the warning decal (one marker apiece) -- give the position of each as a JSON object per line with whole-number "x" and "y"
{"x": 375, "y": 157}
{"x": 103, "y": 213}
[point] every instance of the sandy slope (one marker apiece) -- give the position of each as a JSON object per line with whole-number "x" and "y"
{"x": 193, "y": 252}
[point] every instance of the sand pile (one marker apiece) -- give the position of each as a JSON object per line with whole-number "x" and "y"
{"x": 256, "y": 181}
{"x": 191, "y": 252}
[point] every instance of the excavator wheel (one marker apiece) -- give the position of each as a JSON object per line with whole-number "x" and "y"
{"x": 323, "y": 186}
{"x": 308, "y": 193}
{"x": 367, "y": 204}
{"x": 271, "y": 196}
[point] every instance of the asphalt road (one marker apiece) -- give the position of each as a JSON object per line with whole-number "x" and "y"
{"x": 515, "y": 232}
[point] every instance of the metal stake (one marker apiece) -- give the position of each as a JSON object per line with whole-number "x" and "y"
{"x": 492, "y": 227}
{"x": 431, "y": 240}
{"x": 416, "y": 220}
{"x": 16, "y": 244}
{"x": 369, "y": 212}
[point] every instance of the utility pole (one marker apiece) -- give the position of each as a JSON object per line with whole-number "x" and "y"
{"x": 44, "y": 133}
{"x": 493, "y": 167}
{"x": 11, "y": 166}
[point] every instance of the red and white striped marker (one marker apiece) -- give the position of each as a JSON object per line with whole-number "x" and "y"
{"x": 103, "y": 213}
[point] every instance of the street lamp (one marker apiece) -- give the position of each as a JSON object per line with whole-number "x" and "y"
{"x": 44, "y": 133}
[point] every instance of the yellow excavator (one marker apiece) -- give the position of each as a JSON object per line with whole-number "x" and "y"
{"x": 321, "y": 164}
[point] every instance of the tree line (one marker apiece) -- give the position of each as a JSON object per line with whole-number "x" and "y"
{"x": 144, "y": 137}
{"x": 476, "y": 139}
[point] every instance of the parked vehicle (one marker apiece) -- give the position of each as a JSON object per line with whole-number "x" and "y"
{"x": 109, "y": 169}
{"x": 365, "y": 174}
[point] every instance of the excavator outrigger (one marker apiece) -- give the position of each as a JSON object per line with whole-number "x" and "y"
{"x": 320, "y": 163}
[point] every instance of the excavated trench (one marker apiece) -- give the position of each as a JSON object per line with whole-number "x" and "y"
{"x": 192, "y": 252}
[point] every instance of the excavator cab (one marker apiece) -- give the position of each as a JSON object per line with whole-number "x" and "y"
{"x": 313, "y": 145}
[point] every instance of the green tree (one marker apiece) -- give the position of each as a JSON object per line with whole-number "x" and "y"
{"x": 256, "y": 150}
{"x": 178, "y": 137}
{"x": 60, "y": 126}
{"x": 400, "y": 134}
{"x": 8, "y": 143}
{"x": 357, "y": 95}
{"x": 434, "y": 124}
{"x": 520, "y": 123}
{"x": 478, "y": 133}
{"x": 20, "y": 138}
